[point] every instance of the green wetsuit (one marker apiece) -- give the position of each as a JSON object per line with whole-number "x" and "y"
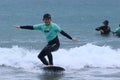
{"x": 117, "y": 31}
{"x": 50, "y": 31}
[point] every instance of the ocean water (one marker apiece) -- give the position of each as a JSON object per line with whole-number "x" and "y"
{"x": 91, "y": 57}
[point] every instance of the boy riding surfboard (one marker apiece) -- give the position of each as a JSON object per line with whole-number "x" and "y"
{"x": 51, "y": 31}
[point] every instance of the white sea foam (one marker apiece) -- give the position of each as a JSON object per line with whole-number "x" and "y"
{"x": 74, "y": 58}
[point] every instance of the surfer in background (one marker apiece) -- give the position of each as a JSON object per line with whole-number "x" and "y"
{"x": 105, "y": 29}
{"x": 117, "y": 31}
{"x": 51, "y": 31}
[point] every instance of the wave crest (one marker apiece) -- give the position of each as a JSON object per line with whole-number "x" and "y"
{"x": 75, "y": 58}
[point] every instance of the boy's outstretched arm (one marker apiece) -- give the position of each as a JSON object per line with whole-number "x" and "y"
{"x": 68, "y": 36}
{"x": 24, "y": 27}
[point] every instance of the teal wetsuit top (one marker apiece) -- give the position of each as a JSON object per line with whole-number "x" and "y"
{"x": 50, "y": 31}
{"x": 117, "y": 31}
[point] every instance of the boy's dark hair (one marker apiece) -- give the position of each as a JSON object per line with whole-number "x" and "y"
{"x": 46, "y": 16}
{"x": 106, "y": 22}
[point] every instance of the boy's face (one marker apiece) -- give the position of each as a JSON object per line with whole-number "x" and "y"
{"x": 105, "y": 24}
{"x": 47, "y": 21}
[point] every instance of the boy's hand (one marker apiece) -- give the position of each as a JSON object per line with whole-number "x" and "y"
{"x": 17, "y": 26}
{"x": 101, "y": 31}
{"x": 74, "y": 39}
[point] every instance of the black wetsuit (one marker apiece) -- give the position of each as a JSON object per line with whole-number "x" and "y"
{"x": 106, "y": 30}
{"x": 52, "y": 45}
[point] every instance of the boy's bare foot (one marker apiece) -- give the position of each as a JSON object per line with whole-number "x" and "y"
{"x": 49, "y": 65}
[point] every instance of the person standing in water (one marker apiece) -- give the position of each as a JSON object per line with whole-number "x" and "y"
{"x": 105, "y": 29}
{"x": 51, "y": 31}
{"x": 117, "y": 31}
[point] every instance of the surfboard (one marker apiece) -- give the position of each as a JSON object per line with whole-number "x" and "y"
{"x": 53, "y": 68}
